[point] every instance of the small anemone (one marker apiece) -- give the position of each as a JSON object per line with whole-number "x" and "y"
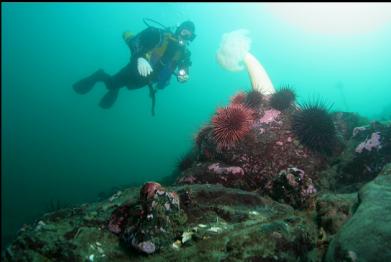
{"x": 314, "y": 127}
{"x": 283, "y": 98}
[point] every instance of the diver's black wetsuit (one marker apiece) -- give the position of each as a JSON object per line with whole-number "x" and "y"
{"x": 143, "y": 45}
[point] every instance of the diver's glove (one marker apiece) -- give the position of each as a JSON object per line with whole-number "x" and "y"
{"x": 143, "y": 67}
{"x": 182, "y": 76}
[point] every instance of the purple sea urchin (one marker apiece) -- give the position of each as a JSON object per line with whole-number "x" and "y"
{"x": 253, "y": 99}
{"x": 314, "y": 127}
{"x": 283, "y": 98}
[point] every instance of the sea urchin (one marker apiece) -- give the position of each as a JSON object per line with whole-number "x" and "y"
{"x": 283, "y": 98}
{"x": 238, "y": 98}
{"x": 231, "y": 124}
{"x": 254, "y": 99}
{"x": 314, "y": 127}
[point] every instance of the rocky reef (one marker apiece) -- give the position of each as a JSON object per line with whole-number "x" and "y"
{"x": 367, "y": 235}
{"x": 267, "y": 180}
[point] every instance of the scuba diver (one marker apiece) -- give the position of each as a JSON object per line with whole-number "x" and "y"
{"x": 156, "y": 54}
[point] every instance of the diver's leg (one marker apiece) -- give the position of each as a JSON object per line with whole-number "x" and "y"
{"x": 109, "y": 98}
{"x": 132, "y": 78}
{"x": 85, "y": 85}
{"x": 113, "y": 84}
{"x": 128, "y": 76}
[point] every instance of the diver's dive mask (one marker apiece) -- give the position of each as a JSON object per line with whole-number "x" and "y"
{"x": 187, "y": 34}
{"x": 185, "y": 31}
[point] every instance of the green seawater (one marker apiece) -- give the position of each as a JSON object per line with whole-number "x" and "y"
{"x": 61, "y": 146}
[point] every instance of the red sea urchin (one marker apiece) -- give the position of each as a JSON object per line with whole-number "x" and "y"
{"x": 231, "y": 124}
{"x": 239, "y": 98}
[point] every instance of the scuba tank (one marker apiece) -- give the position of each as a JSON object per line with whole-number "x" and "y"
{"x": 165, "y": 28}
{"x": 127, "y": 36}
{"x": 168, "y": 30}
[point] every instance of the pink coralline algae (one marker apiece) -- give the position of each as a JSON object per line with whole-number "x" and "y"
{"x": 252, "y": 161}
{"x": 187, "y": 180}
{"x": 114, "y": 226}
{"x": 118, "y": 219}
{"x": 369, "y": 144}
{"x": 146, "y": 247}
{"x": 269, "y": 116}
{"x": 309, "y": 191}
{"x": 359, "y": 129}
{"x": 219, "y": 170}
{"x": 157, "y": 227}
{"x": 292, "y": 180}
{"x": 293, "y": 187}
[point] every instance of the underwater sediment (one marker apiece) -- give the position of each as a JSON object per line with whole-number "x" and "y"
{"x": 262, "y": 183}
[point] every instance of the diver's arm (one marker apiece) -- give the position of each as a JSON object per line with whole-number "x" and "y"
{"x": 183, "y": 68}
{"x": 140, "y": 45}
{"x": 144, "y": 42}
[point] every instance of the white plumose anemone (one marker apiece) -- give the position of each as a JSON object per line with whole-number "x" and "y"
{"x": 234, "y": 51}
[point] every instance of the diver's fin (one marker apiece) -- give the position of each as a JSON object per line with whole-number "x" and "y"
{"x": 109, "y": 98}
{"x": 86, "y": 84}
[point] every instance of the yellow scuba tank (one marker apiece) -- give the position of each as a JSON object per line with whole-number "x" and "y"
{"x": 158, "y": 52}
{"x": 127, "y": 36}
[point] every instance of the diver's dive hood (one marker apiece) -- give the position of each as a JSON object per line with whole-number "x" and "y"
{"x": 185, "y": 25}
{"x": 189, "y": 26}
